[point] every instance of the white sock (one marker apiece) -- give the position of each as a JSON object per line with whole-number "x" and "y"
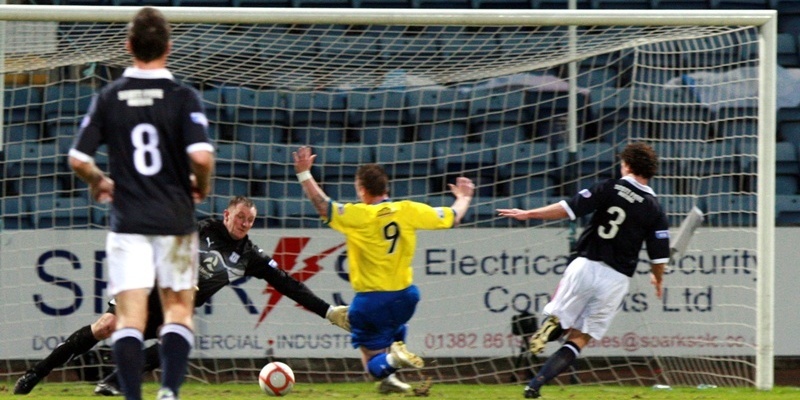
{"x": 391, "y": 361}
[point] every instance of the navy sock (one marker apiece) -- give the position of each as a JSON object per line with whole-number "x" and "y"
{"x": 176, "y": 343}
{"x": 129, "y": 357}
{"x": 76, "y": 344}
{"x": 556, "y": 364}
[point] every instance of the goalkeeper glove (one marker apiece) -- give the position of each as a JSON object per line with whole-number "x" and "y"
{"x": 338, "y": 316}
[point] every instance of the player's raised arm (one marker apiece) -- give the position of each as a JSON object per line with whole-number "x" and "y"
{"x": 303, "y": 160}
{"x": 463, "y": 190}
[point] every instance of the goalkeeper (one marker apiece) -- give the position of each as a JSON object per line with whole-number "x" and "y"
{"x": 226, "y": 254}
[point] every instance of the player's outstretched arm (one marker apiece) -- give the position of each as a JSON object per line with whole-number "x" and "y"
{"x": 463, "y": 190}
{"x": 303, "y": 160}
{"x": 548, "y": 212}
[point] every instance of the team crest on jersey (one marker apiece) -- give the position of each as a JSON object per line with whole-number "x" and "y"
{"x": 662, "y": 234}
{"x": 585, "y": 193}
{"x": 340, "y": 209}
{"x": 199, "y": 118}
{"x": 234, "y": 257}
{"x": 439, "y": 212}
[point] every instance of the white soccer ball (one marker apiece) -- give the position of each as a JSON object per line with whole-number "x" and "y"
{"x": 276, "y": 379}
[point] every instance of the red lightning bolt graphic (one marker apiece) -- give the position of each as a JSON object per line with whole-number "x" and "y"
{"x": 286, "y": 253}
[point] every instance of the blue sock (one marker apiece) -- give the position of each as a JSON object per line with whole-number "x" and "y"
{"x": 379, "y": 367}
{"x": 129, "y": 357}
{"x": 556, "y": 364}
{"x": 176, "y": 343}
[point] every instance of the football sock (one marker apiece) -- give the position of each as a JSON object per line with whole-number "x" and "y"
{"x": 176, "y": 343}
{"x": 379, "y": 367}
{"x": 556, "y": 364}
{"x": 76, "y": 344}
{"x": 129, "y": 357}
{"x": 151, "y": 358}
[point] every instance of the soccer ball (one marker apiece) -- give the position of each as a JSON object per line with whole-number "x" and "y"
{"x": 276, "y": 379}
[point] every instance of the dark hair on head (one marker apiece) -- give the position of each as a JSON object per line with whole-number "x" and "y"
{"x": 235, "y": 201}
{"x": 373, "y": 179}
{"x": 149, "y": 34}
{"x": 641, "y": 159}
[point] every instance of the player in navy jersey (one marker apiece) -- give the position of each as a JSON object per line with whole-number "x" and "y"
{"x": 156, "y": 134}
{"x": 226, "y": 255}
{"x": 626, "y": 215}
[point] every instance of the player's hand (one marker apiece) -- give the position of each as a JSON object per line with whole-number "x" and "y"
{"x": 463, "y": 187}
{"x": 102, "y": 191}
{"x": 515, "y": 213}
{"x": 338, "y": 317}
{"x": 658, "y": 283}
{"x": 197, "y": 195}
{"x": 303, "y": 159}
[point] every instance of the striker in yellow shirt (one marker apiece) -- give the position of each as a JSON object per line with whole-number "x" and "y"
{"x": 381, "y": 239}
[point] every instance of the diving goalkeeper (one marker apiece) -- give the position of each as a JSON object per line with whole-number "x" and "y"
{"x": 220, "y": 244}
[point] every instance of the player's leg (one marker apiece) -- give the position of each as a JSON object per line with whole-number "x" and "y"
{"x": 109, "y": 386}
{"x": 177, "y": 277}
{"x": 605, "y": 288}
{"x": 131, "y": 278}
{"x": 379, "y": 330}
{"x": 79, "y": 342}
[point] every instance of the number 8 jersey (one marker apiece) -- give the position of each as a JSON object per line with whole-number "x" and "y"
{"x": 626, "y": 215}
{"x": 149, "y": 124}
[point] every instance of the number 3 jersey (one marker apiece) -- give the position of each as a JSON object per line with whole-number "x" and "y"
{"x": 149, "y": 124}
{"x": 626, "y": 215}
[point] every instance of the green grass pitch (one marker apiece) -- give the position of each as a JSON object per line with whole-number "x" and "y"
{"x": 199, "y": 391}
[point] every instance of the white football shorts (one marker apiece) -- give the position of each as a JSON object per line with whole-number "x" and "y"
{"x": 588, "y": 297}
{"x": 138, "y": 261}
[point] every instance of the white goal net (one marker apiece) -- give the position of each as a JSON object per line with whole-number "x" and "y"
{"x": 532, "y": 105}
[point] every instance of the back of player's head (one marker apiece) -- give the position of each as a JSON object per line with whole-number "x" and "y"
{"x": 149, "y": 34}
{"x": 641, "y": 159}
{"x": 373, "y": 179}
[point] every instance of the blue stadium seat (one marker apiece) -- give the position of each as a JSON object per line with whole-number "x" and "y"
{"x": 788, "y": 121}
{"x": 717, "y": 170}
{"x": 406, "y": 160}
{"x": 263, "y": 3}
{"x": 321, "y": 3}
{"x": 297, "y": 213}
{"x": 622, "y": 117}
{"x": 676, "y": 207}
{"x": 397, "y": 50}
{"x": 736, "y": 121}
{"x": 527, "y": 202}
{"x": 461, "y": 4}
{"x": 232, "y": 160}
{"x": 595, "y": 162}
{"x": 50, "y": 211}
{"x": 740, "y": 4}
{"x": 376, "y": 117}
{"x": 15, "y": 213}
{"x": 498, "y": 116}
{"x": 787, "y": 210}
{"x": 317, "y": 118}
{"x": 22, "y": 104}
{"x": 788, "y": 56}
{"x": 381, "y": 3}
{"x": 411, "y": 187}
{"x": 227, "y": 187}
{"x": 788, "y": 15}
{"x": 341, "y": 163}
{"x": 549, "y": 110}
{"x": 337, "y": 50}
{"x": 502, "y": 4}
{"x": 202, "y": 3}
{"x": 39, "y": 168}
{"x": 559, "y": 4}
{"x": 731, "y": 209}
{"x": 20, "y": 132}
{"x": 260, "y": 116}
{"x": 681, "y": 4}
{"x": 206, "y": 208}
{"x": 673, "y": 165}
{"x": 468, "y": 47}
{"x": 438, "y": 114}
{"x": 64, "y": 106}
{"x": 472, "y": 160}
{"x": 621, "y": 4}
{"x": 219, "y": 123}
{"x": 526, "y": 168}
{"x": 682, "y": 120}
{"x": 273, "y": 171}
{"x": 787, "y": 168}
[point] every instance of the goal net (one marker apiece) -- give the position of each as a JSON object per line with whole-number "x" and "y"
{"x": 532, "y": 105}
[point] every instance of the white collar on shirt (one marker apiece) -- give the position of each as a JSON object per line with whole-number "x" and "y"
{"x": 161, "y": 73}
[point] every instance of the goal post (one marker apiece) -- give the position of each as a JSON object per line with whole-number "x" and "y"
{"x": 531, "y": 104}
